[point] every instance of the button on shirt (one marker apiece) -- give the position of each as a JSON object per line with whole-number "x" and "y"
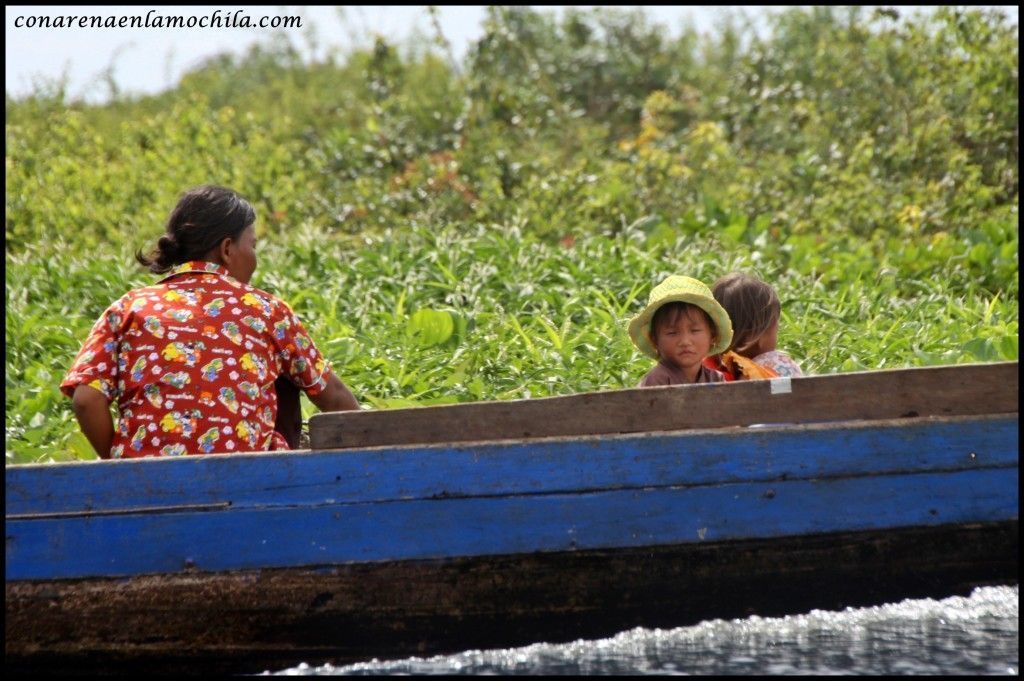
{"x": 191, "y": 362}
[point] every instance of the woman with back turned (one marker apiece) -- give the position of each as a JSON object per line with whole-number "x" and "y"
{"x": 192, "y": 360}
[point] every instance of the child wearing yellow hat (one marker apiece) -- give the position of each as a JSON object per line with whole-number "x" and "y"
{"x": 681, "y": 325}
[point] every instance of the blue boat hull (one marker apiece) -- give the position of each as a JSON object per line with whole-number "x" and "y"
{"x": 324, "y": 508}
{"x": 255, "y": 561}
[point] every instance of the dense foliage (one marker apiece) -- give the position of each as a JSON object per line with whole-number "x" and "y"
{"x": 483, "y": 230}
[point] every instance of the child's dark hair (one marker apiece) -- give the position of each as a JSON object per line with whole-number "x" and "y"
{"x": 669, "y": 313}
{"x": 753, "y": 307}
{"x": 203, "y": 218}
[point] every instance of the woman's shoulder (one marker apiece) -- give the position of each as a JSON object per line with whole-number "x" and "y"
{"x": 273, "y": 304}
{"x": 266, "y": 295}
{"x": 780, "y": 362}
{"x": 126, "y": 302}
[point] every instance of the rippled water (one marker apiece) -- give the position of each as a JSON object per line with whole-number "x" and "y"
{"x": 975, "y": 635}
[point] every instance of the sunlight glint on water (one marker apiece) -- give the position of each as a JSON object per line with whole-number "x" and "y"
{"x": 957, "y": 635}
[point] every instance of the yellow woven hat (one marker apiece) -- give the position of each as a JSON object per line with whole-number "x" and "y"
{"x": 684, "y": 290}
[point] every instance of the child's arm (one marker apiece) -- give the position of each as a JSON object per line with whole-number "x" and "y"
{"x": 93, "y": 414}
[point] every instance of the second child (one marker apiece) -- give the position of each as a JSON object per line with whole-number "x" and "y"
{"x": 754, "y": 309}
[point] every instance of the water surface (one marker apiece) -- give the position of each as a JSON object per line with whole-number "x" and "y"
{"x": 957, "y": 635}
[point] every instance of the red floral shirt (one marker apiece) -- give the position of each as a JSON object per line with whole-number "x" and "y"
{"x": 192, "y": 362}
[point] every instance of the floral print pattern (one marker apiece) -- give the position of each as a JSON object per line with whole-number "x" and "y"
{"x": 191, "y": 363}
{"x": 781, "y": 363}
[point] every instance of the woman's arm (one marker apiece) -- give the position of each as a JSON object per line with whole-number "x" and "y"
{"x": 335, "y": 397}
{"x": 289, "y": 411}
{"x": 93, "y": 414}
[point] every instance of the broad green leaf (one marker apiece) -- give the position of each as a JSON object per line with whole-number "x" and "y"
{"x": 430, "y": 327}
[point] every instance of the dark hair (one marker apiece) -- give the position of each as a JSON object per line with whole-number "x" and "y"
{"x": 669, "y": 313}
{"x": 753, "y": 307}
{"x": 203, "y": 218}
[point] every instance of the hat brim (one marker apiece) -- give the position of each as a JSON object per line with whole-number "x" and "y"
{"x": 641, "y": 324}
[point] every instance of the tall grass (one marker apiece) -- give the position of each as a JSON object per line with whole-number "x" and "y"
{"x": 486, "y": 312}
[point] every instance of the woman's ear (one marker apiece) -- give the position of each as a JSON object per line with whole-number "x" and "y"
{"x": 226, "y": 250}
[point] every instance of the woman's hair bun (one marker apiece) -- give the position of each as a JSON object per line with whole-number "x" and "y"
{"x": 163, "y": 258}
{"x": 168, "y": 246}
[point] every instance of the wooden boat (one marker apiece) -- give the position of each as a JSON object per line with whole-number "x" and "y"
{"x": 418, "y": 531}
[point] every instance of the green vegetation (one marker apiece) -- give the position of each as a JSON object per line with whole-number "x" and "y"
{"x": 481, "y": 231}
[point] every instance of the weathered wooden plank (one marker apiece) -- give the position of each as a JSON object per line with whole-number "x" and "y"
{"x": 273, "y": 619}
{"x": 886, "y": 394}
{"x": 408, "y": 530}
{"x": 540, "y": 466}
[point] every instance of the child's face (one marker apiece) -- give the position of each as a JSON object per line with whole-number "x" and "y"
{"x": 685, "y": 340}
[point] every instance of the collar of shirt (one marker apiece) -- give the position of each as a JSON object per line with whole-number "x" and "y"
{"x": 703, "y": 374}
{"x": 201, "y": 267}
